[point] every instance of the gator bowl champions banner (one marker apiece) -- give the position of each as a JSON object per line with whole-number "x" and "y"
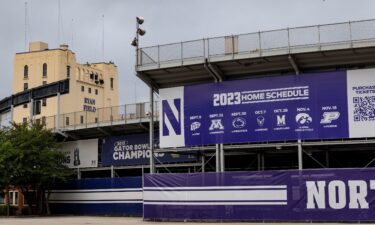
{"x": 134, "y": 149}
{"x": 327, "y": 105}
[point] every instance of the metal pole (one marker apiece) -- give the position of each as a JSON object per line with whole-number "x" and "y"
{"x": 327, "y": 158}
{"x": 12, "y": 113}
{"x": 152, "y": 162}
{"x": 259, "y": 162}
{"x": 31, "y": 109}
{"x": 137, "y": 44}
{"x": 78, "y": 173}
{"x": 203, "y": 163}
{"x": 222, "y": 158}
{"x": 217, "y": 154}
{"x": 112, "y": 172}
{"x": 262, "y": 161}
{"x": 58, "y": 112}
{"x": 300, "y": 163}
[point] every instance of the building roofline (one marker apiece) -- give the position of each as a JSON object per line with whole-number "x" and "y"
{"x": 53, "y": 49}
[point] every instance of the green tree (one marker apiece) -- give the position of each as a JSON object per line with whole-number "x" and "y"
{"x": 35, "y": 164}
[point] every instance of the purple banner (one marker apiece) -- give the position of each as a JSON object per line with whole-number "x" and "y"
{"x": 309, "y": 106}
{"x": 320, "y": 195}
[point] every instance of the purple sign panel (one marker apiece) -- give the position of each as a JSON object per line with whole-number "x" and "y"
{"x": 307, "y": 106}
{"x": 330, "y": 194}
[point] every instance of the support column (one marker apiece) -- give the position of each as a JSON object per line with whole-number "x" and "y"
{"x": 222, "y": 158}
{"x": 217, "y": 155}
{"x": 327, "y": 158}
{"x": 58, "y": 112}
{"x": 31, "y": 109}
{"x": 300, "y": 162}
{"x": 152, "y": 161}
{"x": 203, "y": 163}
{"x": 11, "y": 113}
{"x": 259, "y": 159}
{"x": 78, "y": 173}
{"x": 112, "y": 172}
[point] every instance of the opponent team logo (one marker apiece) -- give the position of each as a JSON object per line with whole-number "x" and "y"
{"x": 328, "y": 117}
{"x": 260, "y": 121}
{"x": 239, "y": 122}
{"x": 216, "y": 124}
{"x": 195, "y": 126}
{"x": 281, "y": 120}
{"x": 303, "y": 118}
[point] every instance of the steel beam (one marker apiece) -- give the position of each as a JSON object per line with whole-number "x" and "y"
{"x": 294, "y": 64}
{"x": 300, "y": 163}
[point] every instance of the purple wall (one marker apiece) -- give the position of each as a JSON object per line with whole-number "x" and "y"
{"x": 324, "y": 195}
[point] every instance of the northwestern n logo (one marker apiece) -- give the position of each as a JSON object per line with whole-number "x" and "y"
{"x": 171, "y": 116}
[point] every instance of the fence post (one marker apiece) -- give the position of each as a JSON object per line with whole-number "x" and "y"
{"x": 260, "y": 44}
{"x": 124, "y": 114}
{"x": 288, "y": 40}
{"x": 319, "y": 42}
{"x": 208, "y": 49}
{"x": 182, "y": 53}
{"x": 204, "y": 48}
{"x": 350, "y": 34}
{"x": 159, "y": 56}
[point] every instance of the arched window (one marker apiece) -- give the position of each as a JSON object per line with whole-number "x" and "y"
{"x": 44, "y": 69}
{"x": 26, "y": 71}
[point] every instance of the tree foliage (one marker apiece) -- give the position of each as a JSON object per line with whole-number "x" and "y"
{"x": 29, "y": 161}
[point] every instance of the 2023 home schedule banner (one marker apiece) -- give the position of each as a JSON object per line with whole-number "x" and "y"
{"x": 328, "y": 105}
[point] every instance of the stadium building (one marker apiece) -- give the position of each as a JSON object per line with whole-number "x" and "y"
{"x": 92, "y": 85}
{"x": 273, "y": 125}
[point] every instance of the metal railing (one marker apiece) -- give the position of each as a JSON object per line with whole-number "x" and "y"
{"x": 258, "y": 42}
{"x": 124, "y": 114}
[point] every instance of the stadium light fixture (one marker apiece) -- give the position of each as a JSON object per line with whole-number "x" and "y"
{"x": 140, "y": 19}
{"x": 139, "y": 32}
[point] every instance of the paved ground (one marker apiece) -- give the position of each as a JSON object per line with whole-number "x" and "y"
{"x": 85, "y": 220}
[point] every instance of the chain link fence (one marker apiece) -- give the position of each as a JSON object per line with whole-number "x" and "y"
{"x": 258, "y": 42}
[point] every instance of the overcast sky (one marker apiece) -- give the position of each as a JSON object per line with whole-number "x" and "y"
{"x": 166, "y": 21}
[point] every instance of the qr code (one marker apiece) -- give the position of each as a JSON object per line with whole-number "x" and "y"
{"x": 364, "y": 108}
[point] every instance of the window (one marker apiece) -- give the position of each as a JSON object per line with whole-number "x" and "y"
{"x": 83, "y": 88}
{"x": 96, "y": 91}
{"x": 89, "y": 90}
{"x": 25, "y": 106}
{"x": 25, "y": 86}
{"x": 44, "y": 121}
{"x": 44, "y": 102}
{"x": 96, "y": 76}
{"x": 13, "y": 197}
{"x": 67, "y": 121}
{"x": 111, "y": 83}
{"x": 67, "y": 71}
{"x": 44, "y": 69}
{"x": 37, "y": 108}
{"x": 24, "y": 120}
{"x": 82, "y": 119}
{"x": 91, "y": 76}
{"x": 96, "y": 120}
{"x": 26, "y": 71}
{"x": 44, "y": 83}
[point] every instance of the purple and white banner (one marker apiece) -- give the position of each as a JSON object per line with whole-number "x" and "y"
{"x": 327, "y": 105}
{"x": 329, "y": 194}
